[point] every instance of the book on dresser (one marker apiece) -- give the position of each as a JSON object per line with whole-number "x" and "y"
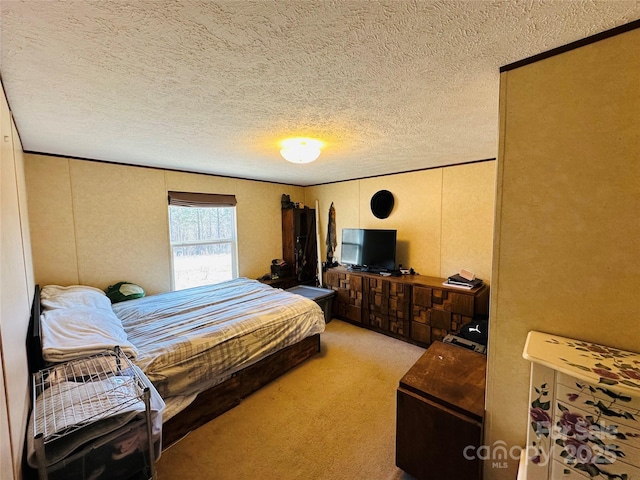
{"x": 458, "y": 280}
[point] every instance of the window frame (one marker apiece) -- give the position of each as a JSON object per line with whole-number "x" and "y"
{"x": 232, "y": 241}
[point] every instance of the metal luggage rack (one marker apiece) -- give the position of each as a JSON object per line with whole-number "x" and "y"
{"x": 75, "y": 394}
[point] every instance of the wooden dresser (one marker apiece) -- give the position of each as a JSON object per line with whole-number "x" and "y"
{"x": 584, "y": 411}
{"x": 414, "y": 308}
{"x": 440, "y": 412}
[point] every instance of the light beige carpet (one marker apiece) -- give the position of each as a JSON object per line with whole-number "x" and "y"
{"x": 332, "y": 417}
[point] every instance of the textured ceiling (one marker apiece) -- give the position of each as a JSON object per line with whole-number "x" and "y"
{"x": 213, "y": 86}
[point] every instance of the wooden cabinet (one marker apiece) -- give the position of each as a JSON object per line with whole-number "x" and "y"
{"x": 440, "y": 411}
{"x": 414, "y": 308}
{"x": 299, "y": 246}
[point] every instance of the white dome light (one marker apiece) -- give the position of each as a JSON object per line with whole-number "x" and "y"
{"x": 300, "y": 149}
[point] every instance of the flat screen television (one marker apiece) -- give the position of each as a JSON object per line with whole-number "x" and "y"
{"x": 369, "y": 249}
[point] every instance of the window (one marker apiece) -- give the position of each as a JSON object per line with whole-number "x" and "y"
{"x": 203, "y": 238}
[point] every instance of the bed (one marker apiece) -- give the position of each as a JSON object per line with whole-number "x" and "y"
{"x": 204, "y": 349}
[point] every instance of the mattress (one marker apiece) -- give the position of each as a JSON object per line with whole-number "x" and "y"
{"x": 190, "y": 340}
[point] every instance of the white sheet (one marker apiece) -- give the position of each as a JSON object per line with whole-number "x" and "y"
{"x": 77, "y": 321}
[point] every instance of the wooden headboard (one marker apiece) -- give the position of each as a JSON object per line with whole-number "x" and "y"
{"x": 34, "y": 336}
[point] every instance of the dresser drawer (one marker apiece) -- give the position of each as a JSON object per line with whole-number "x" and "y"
{"x": 584, "y": 425}
{"x": 601, "y": 392}
{"x": 600, "y": 401}
{"x": 596, "y": 431}
{"x": 561, "y": 469}
{"x": 578, "y": 440}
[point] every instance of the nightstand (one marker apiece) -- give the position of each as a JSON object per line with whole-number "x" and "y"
{"x": 281, "y": 282}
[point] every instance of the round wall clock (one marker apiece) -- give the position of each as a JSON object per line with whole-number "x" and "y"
{"x": 382, "y": 203}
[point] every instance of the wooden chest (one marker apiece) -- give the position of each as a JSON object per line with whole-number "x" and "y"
{"x": 440, "y": 414}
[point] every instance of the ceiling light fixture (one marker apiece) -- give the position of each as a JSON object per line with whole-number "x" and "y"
{"x": 300, "y": 149}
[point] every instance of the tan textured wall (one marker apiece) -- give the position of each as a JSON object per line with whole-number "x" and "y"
{"x": 567, "y": 243}
{"x": 468, "y": 204}
{"x": 16, "y": 294}
{"x": 96, "y": 223}
{"x": 121, "y": 225}
{"x": 438, "y": 233}
{"x": 51, "y": 220}
{"x": 416, "y": 215}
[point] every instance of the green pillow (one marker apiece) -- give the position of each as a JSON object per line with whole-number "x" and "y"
{"x": 122, "y": 291}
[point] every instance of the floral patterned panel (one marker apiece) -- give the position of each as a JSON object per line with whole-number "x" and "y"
{"x": 585, "y": 421}
{"x": 596, "y": 431}
{"x": 588, "y": 435}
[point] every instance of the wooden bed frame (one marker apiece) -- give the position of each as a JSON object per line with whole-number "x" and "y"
{"x": 212, "y": 402}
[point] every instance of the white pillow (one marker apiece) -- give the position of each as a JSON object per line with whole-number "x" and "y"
{"x": 55, "y": 296}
